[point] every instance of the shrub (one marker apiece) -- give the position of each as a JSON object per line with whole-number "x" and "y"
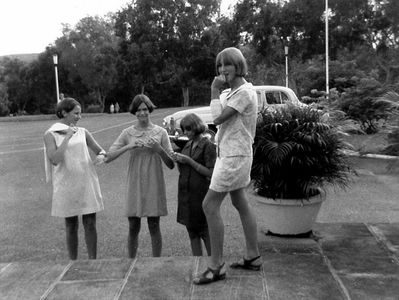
{"x": 92, "y": 108}
{"x": 296, "y": 152}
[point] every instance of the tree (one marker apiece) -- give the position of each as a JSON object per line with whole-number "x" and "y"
{"x": 4, "y": 103}
{"x": 14, "y": 75}
{"x": 89, "y": 54}
{"x": 161, "y": 40}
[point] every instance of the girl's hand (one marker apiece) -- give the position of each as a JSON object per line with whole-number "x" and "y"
{"x": 100, "y": 159}
{"x": 174, "y": 156}
{"x": 71, "y": 130}
{"x": 181, "y": 158}
{"x": 135, "y": 144}
{"x": 152, "y": 143}
{"x": 218, "y": 82}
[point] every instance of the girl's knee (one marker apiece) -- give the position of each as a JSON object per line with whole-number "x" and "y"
{"x": 210, "y": 208}
{"x": 212, "y": 202}
{"x": 153, "y": 224}
{"x": 89, "y": 221}
{"x": 134, "y": 224}
{"x": 72, "y": 224}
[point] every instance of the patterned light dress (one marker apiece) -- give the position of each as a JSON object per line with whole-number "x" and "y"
{"x": 145, "y": 190}
{"x": 76, "y": 189}
{"x": 234, "y": 141}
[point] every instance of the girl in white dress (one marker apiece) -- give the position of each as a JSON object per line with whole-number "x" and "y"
{"x": 76, "y": 189}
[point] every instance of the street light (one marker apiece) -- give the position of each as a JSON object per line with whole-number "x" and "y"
{"x": 55, "y": 60}
{"x": 327, "y": 71}
{"x": 286, "y": 65}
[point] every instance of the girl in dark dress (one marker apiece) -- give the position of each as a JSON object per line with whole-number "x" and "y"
{"x": 195, "y": 163}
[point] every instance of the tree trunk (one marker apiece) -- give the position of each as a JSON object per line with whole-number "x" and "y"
{"x": 101, "y": 100}
{"x": 186, "y": 96}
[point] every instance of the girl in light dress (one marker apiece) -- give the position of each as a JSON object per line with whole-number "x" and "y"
{"x": 149, "y": 147}
{"x": 76, "y": 189}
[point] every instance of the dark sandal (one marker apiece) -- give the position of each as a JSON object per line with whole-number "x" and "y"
{"x": 210, "y": 275}
{"x": 247, "y": 264}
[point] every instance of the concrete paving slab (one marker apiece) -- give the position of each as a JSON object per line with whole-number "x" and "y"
{"x": 352, "y": 246}
{"x": 299, "y": 277}
{"x": 390, "y": 232}
{"x": 84, "y": 290}
{"x": 366, "y": 265}
{"x": 274, "y": 244}
{"x": 28, "y": 280}
{"x": 342, "y": 261}
{"x": 372, "y": 288}
{"x": 98, "y": 270}
{"x": 160, "y": 278}
{"x": 340, "y": 229}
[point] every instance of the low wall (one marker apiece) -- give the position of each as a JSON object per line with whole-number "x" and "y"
{"x": 378, "y": 164}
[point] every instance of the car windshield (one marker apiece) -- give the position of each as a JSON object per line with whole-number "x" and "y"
{"x": 276, "y": 98}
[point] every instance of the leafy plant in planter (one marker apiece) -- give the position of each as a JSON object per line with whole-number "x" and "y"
{"x": 296, "y": 153}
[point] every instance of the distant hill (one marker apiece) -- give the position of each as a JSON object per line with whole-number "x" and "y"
{"x": 29, "y": 57}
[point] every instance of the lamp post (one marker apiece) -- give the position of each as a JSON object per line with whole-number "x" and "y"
{"x": 286, "y": 65}
{"x": 327, "y": 75}
{"x": 55, "y": 60}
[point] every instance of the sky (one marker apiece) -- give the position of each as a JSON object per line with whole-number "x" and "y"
{"x": 28, "y": 26}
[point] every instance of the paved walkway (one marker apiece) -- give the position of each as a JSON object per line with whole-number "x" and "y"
{"x": 341, "y": 261}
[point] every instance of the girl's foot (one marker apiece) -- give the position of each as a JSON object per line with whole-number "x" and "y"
{"x": 211, "y": 275}
{"x": 248, "y": 264}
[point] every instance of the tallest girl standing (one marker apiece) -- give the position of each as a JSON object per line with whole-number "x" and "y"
{"x": 236, "y": 116}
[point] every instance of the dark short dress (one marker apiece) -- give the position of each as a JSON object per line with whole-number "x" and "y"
{"x": 193, "y": 186}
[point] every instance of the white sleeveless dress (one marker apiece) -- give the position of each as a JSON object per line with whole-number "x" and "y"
{"x": 76, "y": 189}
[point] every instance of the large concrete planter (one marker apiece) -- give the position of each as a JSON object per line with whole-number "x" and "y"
{"x": 288, "y": 217}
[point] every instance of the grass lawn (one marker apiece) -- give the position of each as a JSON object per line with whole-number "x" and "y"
{"x": 368, "y": 143}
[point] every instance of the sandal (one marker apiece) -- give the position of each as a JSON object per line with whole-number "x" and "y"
{"x": 247, "y": 264}
{"x": 210, "y": 275}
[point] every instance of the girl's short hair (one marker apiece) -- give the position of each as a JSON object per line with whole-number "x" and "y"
{"x": 137, "y": 100}
{"x": 234, "y": 57}
{"x": 195, "y": 122}
{"x": 67, "y": 105}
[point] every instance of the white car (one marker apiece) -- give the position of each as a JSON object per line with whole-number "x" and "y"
{"x": 272, "y": 96}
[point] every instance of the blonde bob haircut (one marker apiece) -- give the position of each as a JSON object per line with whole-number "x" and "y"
{"x": 136, "y": 102}
{"x": 196, "y": 124}
{"x": 232, "y": 56}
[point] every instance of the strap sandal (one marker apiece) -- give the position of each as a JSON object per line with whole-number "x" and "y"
{"x": 211, "y": 275}
{"x": 247, "y": 264}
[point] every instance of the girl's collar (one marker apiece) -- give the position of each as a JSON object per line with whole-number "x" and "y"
{"x": 233, "y": 92}
{"x": 137, "y": 132}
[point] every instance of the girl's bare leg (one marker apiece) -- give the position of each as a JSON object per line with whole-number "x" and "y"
{"x": 248, "y": 221}
{"x": 211, "y": 206}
